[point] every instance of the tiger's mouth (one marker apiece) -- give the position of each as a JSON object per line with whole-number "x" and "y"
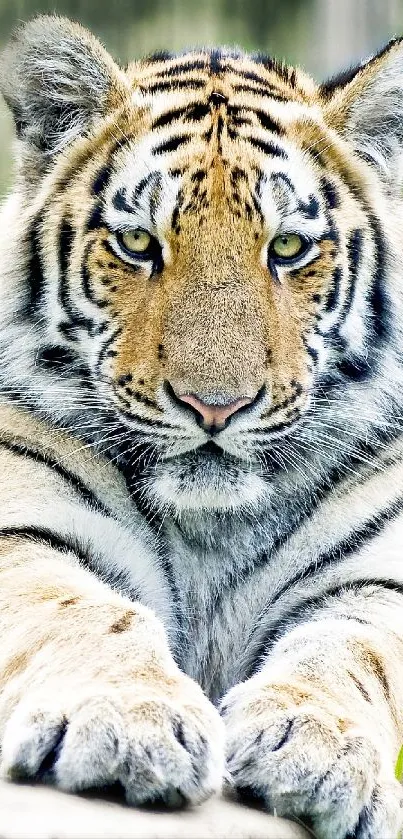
{"x": 185, "y": 469}
{"x": 205, "y": 478}
{"x": 209, "y": 452}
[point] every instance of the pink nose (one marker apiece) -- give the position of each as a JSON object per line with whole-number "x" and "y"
{"x": 213, "y": 416}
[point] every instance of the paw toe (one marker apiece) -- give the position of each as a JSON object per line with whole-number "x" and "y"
{"x": 94, "y": 746}
{"x": 32, "y": 742}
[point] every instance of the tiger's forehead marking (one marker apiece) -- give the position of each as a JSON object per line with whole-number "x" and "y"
{"x": 172, "y": 84}
{"x": 197, "y": 68}
{"x": 214, "y": 117}
{"x": 149, "y": 189}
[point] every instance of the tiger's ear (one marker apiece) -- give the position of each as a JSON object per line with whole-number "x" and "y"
{"x": 57, "y": 78}
{"x": 365, "y": 105}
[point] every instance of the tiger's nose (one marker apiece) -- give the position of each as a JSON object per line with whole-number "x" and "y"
{"x": 213, "y": 416}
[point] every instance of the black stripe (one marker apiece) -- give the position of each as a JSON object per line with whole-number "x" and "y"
{"x": 333, "y": 296}
{"x": 36, "y": 280}
{"x": 102, "y": 180}
{"x": 356, "y": 368}
{"x": 55, "y": 356}
{"x": 257, "y": 207}
{"x": 170, "y": 116}
{"x": 71, "y": 478}
{"x": 172, "y": 144}
{"x": 309, "y": 209}
{"x": 95, "y": 220}
{"x": 315, "y": 155}
{"x": 198, "y": 111}
{"x": 175, "y": 224}
{"x": 153, "y": 205}
{"x": 216, "y": 58}
{"x": 378, "y": 300}
{"x": 316, "y": 602}
{"x": 331, "y": 234}
{"x": 236, "y": 122}
{"x": 346, "y": 547}
{"x": 254, "y": 77}
{"x": 184, "y": 67}
{"x": 172, "y": 84}
{"x": 66, "y": 238}
{"x": 141, "y": 398}
{"x": 88, "y": 290}
{"x": 177, "y": 171}
{"x": 355, "y": 542}
{"x": 260, "y": 91}
{"x": 280, "y": 426}
{"x": 120, "y": 203}
{"x": 145, "y": 423}
{"x": 237, "y": 174}
{"x": 63, "y": 544}
{"x": 76, "y": 318}
{"x": 330, "y": 193}
{"x": 266, "y": 61}
{"x": 219, "y": 129}
{"x": 283, "y": 179}
{"x": 106, "y": 351}
{"x": 62, "y": 359}
{"x": 117, "y": 579}
{"x": 354, "y": 252}
{"x": 159, "y": 55}
{"x": 142, "y": 185}
{"x": 267, "y": 122}
{"x": 267, "y": 147}
{"x": 201, "y": 175}
{"x": 68, "y": 330}
{"x": 320, "y": 601}
{"x": 86, "y": 281}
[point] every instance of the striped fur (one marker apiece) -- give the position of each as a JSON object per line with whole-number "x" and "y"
{"x": 270, "y": 550}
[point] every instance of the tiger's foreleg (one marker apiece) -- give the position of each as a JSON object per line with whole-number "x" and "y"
{"x": 317, "y": 730}
{"x": 89, "y": 692}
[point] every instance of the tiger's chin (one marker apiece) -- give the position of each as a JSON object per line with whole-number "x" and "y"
{"x": 201, "y": 480}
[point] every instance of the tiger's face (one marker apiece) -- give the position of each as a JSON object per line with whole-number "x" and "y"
{"x": 206, "y": 244}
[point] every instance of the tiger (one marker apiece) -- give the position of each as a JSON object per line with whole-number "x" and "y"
{"x": 201, "y": 448}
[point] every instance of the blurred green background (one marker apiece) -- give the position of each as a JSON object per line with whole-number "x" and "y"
{"x": 322, "y": 35}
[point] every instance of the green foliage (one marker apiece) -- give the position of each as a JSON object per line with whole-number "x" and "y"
{"x": 399, "y": 766}
{"x": 399, "y": 777}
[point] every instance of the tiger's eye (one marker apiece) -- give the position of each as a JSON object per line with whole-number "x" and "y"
{"x": 137, "y": 240}
{"x": 287, "y": 246}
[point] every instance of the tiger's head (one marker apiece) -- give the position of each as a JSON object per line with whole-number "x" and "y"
{"x": 205, "y": 239}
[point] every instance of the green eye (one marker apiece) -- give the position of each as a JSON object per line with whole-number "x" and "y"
{"x": 136, "y": 240}
{"x": 287, "y": 246}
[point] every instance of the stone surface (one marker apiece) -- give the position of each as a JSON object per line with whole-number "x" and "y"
{"x": 40, "y": 813}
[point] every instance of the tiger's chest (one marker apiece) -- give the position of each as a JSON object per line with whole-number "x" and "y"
{"x": 238, "y": 593}
{"x": 220, "y": 594}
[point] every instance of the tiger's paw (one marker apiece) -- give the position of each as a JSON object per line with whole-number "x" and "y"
{"x": 303, "y": 758}
{"x": 160, "y": 746}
